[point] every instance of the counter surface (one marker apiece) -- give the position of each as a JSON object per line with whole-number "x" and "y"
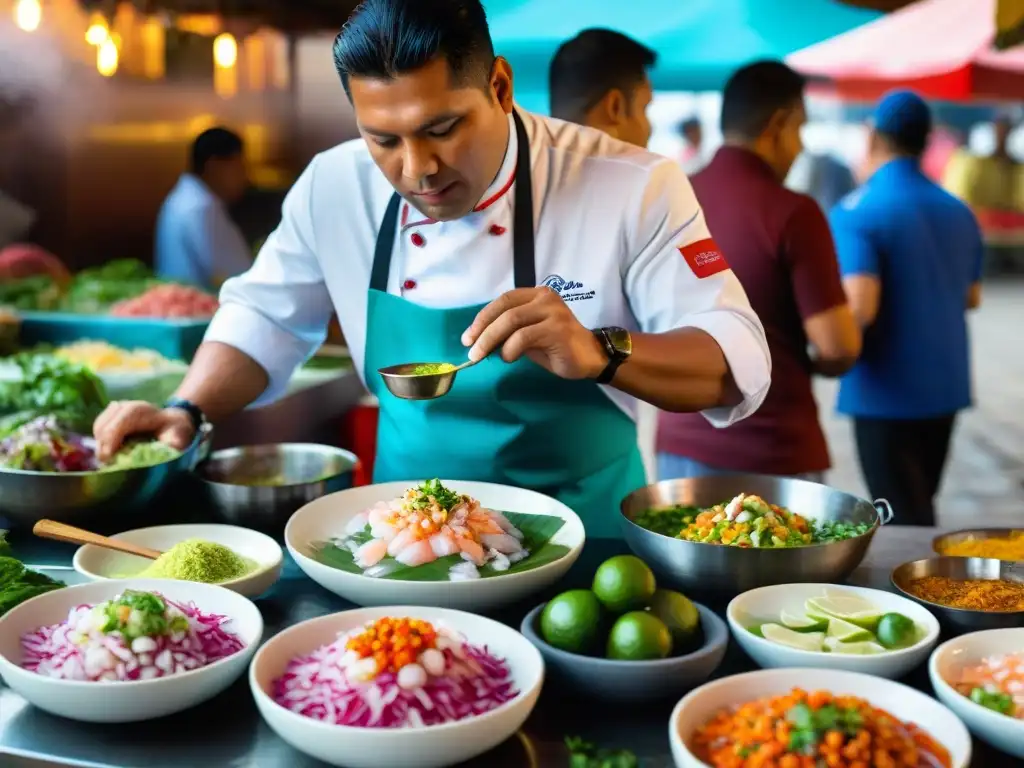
{"x": 228, "y": 731}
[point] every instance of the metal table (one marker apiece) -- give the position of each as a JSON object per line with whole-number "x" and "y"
{"x": 228, "y": 731}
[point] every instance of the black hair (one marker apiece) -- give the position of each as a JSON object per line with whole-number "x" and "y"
{"x": 387, "y": 38}
{"x": 755, "y": 93}
{"x": 590, "y": 65}
{"x": 214, "y": 143}
{"x": 688, "y": 125}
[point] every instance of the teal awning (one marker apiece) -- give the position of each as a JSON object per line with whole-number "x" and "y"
{"x": 699, "y": 42}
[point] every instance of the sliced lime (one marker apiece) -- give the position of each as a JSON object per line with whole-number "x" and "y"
{"x": 845, "y": 632}
{"x": 803, "y": 641}
{"x": 861, "y": 648}
{"x": 801, "y": 622}
{"x": 855, "y": 610}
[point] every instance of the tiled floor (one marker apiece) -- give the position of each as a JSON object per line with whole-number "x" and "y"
{"x": 984, "y": 482}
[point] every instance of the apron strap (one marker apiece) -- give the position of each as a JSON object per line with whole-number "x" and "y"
{"x": 385, "y": 244}
{"x": 524, "y": 262}
{"x": 523, "y": 254}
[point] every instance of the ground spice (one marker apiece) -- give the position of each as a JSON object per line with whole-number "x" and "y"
{"x": 198, "y": 560}
{"x": 995, "y": 595}
{"x": 1008, "y": 548}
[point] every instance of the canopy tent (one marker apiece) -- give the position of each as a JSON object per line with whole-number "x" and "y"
{"x": 699, "y": 42}
{"x": 941, "y": 48}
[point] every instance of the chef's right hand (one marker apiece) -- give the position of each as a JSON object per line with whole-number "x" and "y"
{"x": 127, "y": 418}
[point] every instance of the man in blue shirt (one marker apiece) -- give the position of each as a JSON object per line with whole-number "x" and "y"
{"x": 911, "y": 258}
{"x": 197, "y": 241}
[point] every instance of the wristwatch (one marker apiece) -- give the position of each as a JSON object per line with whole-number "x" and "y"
{"x": 618, "y": 345}
{"x": 195, "y": 413}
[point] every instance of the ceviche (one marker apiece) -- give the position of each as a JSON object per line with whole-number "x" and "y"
{"x": 801, "y": 729}
{"x": 135, "y": 636}
{"x": 395, "y": 673}
{"x": 746, "y": 521}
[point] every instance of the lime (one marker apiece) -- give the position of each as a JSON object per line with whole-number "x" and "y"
{"x": 639, "y": 636}
{"x": 679, "y": 614}
{"x": 801, "y": 622}
{"x": 853, "y": 609}
{"x": 861, "y": 648}
{"x": 624, "y": 583}
{"x": 845, "y": 632}
{"x": 896, "y": 631}
{"x": 802, "y": 641}
{"x": 572, "y": 621}
{"x": 755, "y": 629}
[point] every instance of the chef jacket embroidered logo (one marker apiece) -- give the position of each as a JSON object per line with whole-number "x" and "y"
{"x": 704, "y": 258}
{"x": 569, "y": 290}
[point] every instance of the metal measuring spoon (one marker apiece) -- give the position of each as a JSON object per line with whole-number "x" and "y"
{"x": 402, "y": 380}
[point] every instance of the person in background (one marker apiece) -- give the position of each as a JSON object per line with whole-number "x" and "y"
{"x": 197, "y": 241}
{"x": 911, "y": 257}
{"x": 778, "y": 243}
{"x": 599, "y": 79}
{"x": 823, "y": 177}
{"x": 988, "y": 183}
{"x": 694, "y": 156}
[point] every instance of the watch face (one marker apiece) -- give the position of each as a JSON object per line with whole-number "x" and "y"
{"x": 621, "y": 340}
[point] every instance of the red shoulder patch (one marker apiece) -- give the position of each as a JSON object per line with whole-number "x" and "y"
{"x": 704, "y": 257}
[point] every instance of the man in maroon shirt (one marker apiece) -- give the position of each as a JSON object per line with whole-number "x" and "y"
{"x": 779, "y": 245}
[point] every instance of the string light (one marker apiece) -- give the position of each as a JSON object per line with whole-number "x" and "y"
{"x": 225, "y": 51}
{"x": 98, "y": 31}
{"x": 28, "y": 14}
{"x": 107, "y": 58}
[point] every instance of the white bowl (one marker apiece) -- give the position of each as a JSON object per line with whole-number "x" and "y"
{"x": 135, "y": 700}
{"x": 326, "y": 518}
{"x": 436, "y": 745}
{"x": 764, "y": 604}
{"x": 699, "y": 706}
{"x": 1002, "y": 732}
{"x": 98, "y": 563}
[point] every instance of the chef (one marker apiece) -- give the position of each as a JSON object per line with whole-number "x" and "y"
{"x": 578, "y": 269}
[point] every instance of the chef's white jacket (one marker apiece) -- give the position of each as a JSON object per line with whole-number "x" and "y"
{"x": 611, "y": 223}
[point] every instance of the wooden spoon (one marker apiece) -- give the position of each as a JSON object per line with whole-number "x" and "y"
{"x": 50, "y": 529}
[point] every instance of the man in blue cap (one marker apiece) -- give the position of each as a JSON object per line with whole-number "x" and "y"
{"x": 911, "y": 258}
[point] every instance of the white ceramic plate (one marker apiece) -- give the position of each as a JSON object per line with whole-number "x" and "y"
{"x": 762, "y": 605}
{"x": 137, "y": 700}
{"x": 98, "y": 563}
{"x": 950, "y": 658}
{"x": 699, "y": 706}
{"x": 427, "y": 747}
{"x": 326, "y": 518}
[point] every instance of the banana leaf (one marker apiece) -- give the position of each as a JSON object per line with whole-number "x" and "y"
{"x": 537, "y": 532}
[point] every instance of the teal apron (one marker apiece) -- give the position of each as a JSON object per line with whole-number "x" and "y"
{"x": 510, "y": 423}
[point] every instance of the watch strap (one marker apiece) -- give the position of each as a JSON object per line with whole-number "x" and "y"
{"x": 616, "y": 356}
{"x": 194, "y": 412}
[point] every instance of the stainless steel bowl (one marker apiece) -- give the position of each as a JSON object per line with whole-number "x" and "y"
{"x": 962, "y": 568}
{"x": 715, "y": 568}
{"x": 305, "y": 471}
{"x": 76, "y": 497}
{"x": 939, "y": 543}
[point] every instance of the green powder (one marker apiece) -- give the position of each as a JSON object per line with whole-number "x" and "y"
{"x": 198, "y": 560}
{"x": 431, "y": 369}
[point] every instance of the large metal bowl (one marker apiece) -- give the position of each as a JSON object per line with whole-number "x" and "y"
{"x": 962, "y": 568}
{"x": 78, "y": 497}
{"x": 306, "y": 471}
{"x": 716, "y": 568}
{"x": 941, "y": 542}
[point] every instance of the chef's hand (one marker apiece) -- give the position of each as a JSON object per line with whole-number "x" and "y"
{"x": 126, "y": 418}
{"x": 535, "y": 322}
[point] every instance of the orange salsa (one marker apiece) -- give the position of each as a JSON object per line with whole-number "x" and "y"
{"x": 393, "y": 643}
{"x": 808, "y": 730}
